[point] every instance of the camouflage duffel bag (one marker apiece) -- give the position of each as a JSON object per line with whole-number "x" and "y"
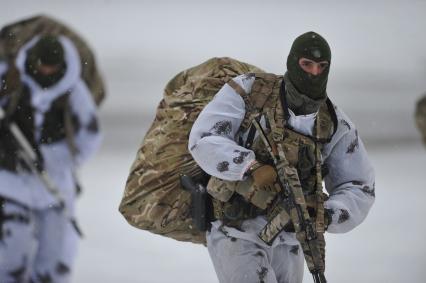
{"x": 15, "y": 35}
{"x": 153, "y": 198}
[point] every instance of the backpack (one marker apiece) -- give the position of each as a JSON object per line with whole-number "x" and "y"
{"x": 153, "y": 199}
{"x": 15, "y": 35}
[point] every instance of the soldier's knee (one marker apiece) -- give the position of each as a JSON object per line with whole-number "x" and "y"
{"x": 58, "y": 272}
{"x": 14, "y": 270}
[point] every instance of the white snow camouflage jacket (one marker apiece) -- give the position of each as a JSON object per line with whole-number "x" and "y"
{"x": 25, "y": 187}
{"x": 350, "y": 181}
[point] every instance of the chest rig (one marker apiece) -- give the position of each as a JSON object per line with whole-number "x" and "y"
{"x": 302, "y": 152}
{"x": 59, "y": 124}
{"x": 266, "y": 103}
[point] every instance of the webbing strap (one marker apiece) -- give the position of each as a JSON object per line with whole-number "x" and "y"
{"x": 237, "y": 88}
{"x": 250, "y": 111}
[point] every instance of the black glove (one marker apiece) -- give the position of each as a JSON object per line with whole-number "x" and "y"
{"x": 328, "y": 214}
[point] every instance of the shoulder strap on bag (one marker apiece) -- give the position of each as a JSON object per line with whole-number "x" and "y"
{"x": 261, "y": 91}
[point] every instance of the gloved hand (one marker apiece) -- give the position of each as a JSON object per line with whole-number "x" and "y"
{"x": 259, "y": 187}
{"x": 328, "y": 214}
{"x": 264, "y": 176}
{"x": 328, "y": 217}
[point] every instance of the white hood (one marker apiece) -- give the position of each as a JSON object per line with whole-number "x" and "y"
{"x": 41, "y": 98}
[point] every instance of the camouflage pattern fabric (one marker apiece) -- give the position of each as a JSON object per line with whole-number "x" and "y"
{"x": 300, "y": 168}
{"x": 295, "y": 208}
{"x": 421, "y": 117}
{"x": 15, "y": 35}
{"x": 153, "y": 198}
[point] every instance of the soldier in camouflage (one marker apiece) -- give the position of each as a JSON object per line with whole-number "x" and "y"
{"x": 54, "y": 109}
{"x": 319, "y": 142}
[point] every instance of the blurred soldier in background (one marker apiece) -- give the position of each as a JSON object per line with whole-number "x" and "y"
{"x": 421, "y": 117}
{"x": 44, "y": 94}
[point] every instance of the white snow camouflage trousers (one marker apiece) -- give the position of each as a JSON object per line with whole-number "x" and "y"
{"x": 36, "y": 246}
{"x": 238, "y": 260}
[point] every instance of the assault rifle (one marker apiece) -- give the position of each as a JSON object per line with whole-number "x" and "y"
{"x": 293, "y": 210}
{"x": 27, "y": 154}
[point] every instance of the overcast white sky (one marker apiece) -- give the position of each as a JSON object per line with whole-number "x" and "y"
{"x": 378, "y": 48}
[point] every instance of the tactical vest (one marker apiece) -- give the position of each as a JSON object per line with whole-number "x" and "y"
{"x": 59, "y": 124}
{"x": 303, "y": 152}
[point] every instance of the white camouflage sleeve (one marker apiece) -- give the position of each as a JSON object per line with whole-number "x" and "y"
{"x": 212, "y": 138}
{"x": 350, "y": 180}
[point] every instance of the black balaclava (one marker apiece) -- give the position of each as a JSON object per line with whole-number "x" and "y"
{"x": 307, "y": 87}
{"x": 47, "y": 51}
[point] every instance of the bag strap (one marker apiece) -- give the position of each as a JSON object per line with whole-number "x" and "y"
{"x": 262, "y": 90}
{"x": 237, "y": 88}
